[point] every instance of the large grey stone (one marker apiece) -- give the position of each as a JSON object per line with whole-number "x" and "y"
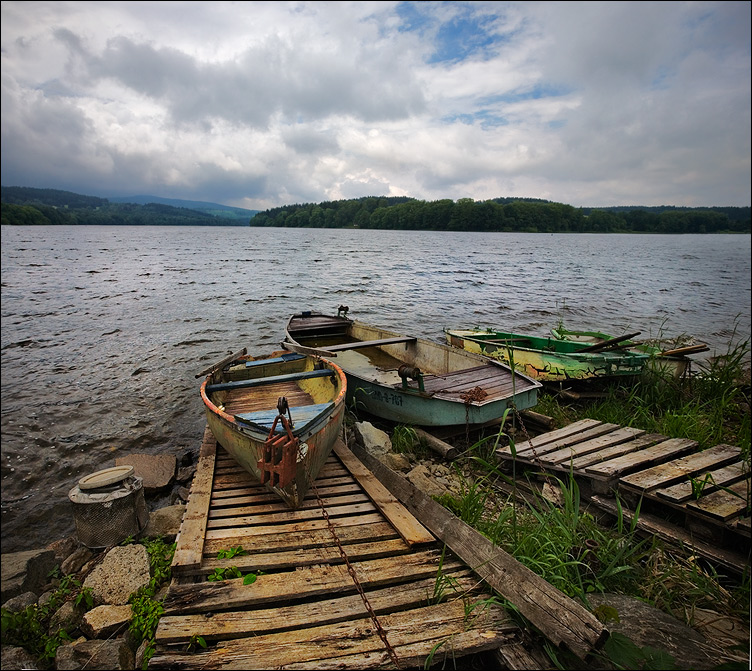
{"x": 165, "y": 522}
{"x": 106, "y": 621}
{"x": 421, "y": 478}
{"x": 63, "y": 548}
{"x": 76, "y": 560}
{"x": 20, "y": 602}
{"x": 375, "y": 441}
{"x": 156, "y": 470}
{"x": 25, "y": 572}
{"x": 123, "y": 571}
{"x": 15, "y": 659}
{"x": 97, "y": 654}
{"x": 649, "y": 627}
{"x": 67, "y": 618}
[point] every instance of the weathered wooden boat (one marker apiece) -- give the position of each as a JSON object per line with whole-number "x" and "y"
{"x": 278, "y": 416}
{"x": 410, "y": 380}
{"x": 549, "y": 359}
{"x": 667, "y": 356}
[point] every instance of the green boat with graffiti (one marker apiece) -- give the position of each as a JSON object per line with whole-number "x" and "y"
{"x": 668, "y": 356}
{"x": 549, "y": 359}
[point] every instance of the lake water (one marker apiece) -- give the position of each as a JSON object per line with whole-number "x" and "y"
{"x": 105, "y": 328}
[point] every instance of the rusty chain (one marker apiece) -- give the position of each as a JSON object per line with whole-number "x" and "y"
{"x": 353, "y": 575}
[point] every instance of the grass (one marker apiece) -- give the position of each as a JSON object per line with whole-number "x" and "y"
{"x": 567, "y": 546}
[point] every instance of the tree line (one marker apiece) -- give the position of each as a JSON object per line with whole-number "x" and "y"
{"x": 527, "y": 215}
{"x": 29, "y": 206}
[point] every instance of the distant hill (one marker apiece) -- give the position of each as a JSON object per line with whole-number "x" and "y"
{"x": 28, "y": 206}
{"x": 225, "y": 211}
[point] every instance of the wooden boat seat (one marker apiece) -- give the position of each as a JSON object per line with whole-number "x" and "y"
{"x": 280, "y": 359}
{"x": 272, "y": 379}
{"x": 367, "y": 343}
{"x": 302, "y": 416}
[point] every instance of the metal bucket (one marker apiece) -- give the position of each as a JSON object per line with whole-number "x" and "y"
{"x": 108, "y": 507}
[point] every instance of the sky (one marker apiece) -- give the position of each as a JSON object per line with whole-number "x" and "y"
{"x": 263, "y": 104}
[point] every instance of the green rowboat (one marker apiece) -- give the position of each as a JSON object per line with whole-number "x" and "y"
{"x": 548, "y": 359}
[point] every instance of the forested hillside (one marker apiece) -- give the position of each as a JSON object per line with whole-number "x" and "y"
{"x": 504, "y": 214}
{"x": 27, "y": 206}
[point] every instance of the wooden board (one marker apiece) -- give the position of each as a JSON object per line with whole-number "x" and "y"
{"x": 411, "y": 531}
{"x": 570, "y": 453}
{"x": 304, "y": 608}
{"x": 190, "y": 541}
{"x": 667, "y": 474}
{"x": 709, "y": 481}
{"x": 723, "y": 504}
{"x": 663, "y": 451}
{"x": 607, "y": 459}
{"x": 559, "y": 618}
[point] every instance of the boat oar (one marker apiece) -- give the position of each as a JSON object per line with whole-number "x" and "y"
{"x": 689, "y": 349}
{"x": 226, "y": 360}
{"x": 611, "y": 342}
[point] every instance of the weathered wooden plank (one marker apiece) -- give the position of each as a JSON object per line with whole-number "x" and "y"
{"x": 190, "y": 540}
{"x": 712, "y": 480}
{"x": 672, "y": 447}
{"x": 559, "y": 618}
{"x": 262, "y": 509}
{"x": 291, "y": 528}
{"x": 341, "y": 486}
{"x": 232, "y": 480}
{"x": 571, "y": 452}
{"x": 412, "y": 531}
{"x": 296, "y": 557}
{"x": 307, "y": 539}
{"x": 551, "y": 436}
{"x": 308, "y": 582}
{"x": 346, "y": 642}
{"x": 619, "y": 450}
{"x": 515, "y": 657}
{"x": 526, "y": 452}
{"x": 723, "y": 504}
{"x": 234, "y": 624}
{"x": 291, "y": 515}
{"x": 669, "y": 473}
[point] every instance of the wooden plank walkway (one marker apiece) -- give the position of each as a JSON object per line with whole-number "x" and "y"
{"x": 304, "y": 609}
{"x": 707, "y": 492}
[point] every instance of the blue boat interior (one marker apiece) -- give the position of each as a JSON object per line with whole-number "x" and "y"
{"x": 302, "y": 417}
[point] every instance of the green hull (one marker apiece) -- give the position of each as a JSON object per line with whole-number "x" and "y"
{"x": 548, "y": 359}
{"x": 673, "y": 366}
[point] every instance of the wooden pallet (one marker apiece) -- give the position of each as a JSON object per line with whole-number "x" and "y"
{"x": 707, "y": 491}
{"x": 304, "y": 609}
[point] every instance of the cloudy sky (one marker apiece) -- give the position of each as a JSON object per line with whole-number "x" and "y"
{"x": 260, "y": 104}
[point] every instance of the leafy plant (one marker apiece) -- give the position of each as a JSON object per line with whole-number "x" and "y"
{"x": 29, "y": 627}
{"x": 232, "y": 552}
{"x": 229, "y": 572}
{"x": 195, "y": 642}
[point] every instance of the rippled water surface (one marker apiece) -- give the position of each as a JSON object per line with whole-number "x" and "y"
{"x": 104, "y": 328}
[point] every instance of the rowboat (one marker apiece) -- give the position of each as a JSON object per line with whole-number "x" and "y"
{"x": 667, "y": 356}
{"x": 549, "y": 359}
{"x": 410, "y": 380}
{"x": 277, "y": 415}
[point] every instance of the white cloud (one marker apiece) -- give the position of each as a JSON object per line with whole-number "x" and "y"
{"x": 259, "y": 104}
